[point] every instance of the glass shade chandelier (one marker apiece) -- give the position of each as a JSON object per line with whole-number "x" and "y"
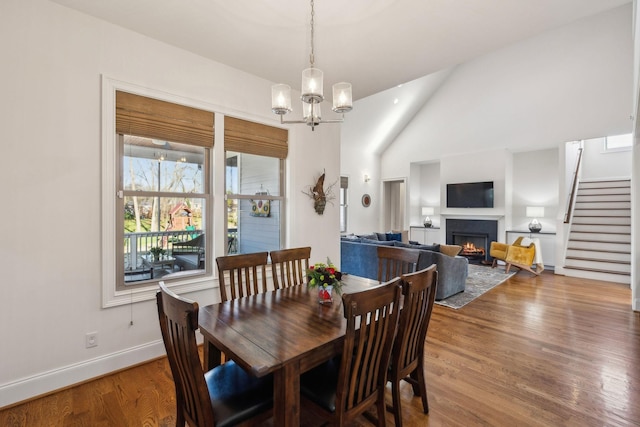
{"x": 311, "y": 94}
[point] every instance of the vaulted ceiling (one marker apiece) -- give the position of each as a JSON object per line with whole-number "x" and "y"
{"x": 374, "y": 44}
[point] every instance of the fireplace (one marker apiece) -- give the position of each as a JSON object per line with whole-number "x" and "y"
{"x": 475, "y": 237}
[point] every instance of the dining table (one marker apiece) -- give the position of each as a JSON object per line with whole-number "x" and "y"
{"x": 283, "y": 332}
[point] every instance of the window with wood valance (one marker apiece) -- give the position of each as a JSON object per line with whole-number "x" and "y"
{"x": 151, "y": 118}
{"x": 254, "y": 138}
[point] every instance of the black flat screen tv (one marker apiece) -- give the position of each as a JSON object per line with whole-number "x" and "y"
{"x": 470, "y": 195}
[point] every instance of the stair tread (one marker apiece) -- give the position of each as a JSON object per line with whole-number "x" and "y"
{"x": 598, "y": 250}
{"x": 597, "y": 270}
{"x": 598, "y": 260}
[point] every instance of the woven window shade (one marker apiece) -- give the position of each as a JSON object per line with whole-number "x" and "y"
{"x": 255, "y": 138}
{"x": 141, "y": 116}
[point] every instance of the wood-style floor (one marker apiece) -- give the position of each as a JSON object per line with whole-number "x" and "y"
{"x": 534, "y": 351}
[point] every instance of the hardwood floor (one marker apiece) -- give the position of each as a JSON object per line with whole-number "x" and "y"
{"x": 534, "y": 351}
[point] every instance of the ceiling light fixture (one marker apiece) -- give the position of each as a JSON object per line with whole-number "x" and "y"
{"x": 312, "y": 94}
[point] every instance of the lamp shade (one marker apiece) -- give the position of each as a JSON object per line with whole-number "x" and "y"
{"x": 535, "y": 211}
{"x": 281, "y": 99}
{"x": 312, "y": 90}
{"x": 427, "y": 210}
{"x": 342, "y": 99}
{"x": 311, "y": 113}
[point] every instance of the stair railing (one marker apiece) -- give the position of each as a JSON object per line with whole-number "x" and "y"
{"x": 574, "y": 189}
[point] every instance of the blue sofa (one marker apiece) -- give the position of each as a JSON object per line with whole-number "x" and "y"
{"x": 360, "y": 258}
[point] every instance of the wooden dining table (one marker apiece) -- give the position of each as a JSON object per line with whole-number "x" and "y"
{"x": 284, "y": 332}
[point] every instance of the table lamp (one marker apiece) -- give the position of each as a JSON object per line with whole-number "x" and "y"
{"x": 535, "y": 212}
{"x": 426, "y": 211}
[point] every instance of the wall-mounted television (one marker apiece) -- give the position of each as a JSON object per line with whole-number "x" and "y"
{"x": 470, "y": 195}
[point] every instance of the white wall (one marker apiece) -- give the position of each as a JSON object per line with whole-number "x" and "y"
{"x": 52, "y": 62}
{"x": 600, "y": 164}
{"x": 536, "y": 182}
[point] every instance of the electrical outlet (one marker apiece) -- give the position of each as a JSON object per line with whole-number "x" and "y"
{"x": 91, "y": 339}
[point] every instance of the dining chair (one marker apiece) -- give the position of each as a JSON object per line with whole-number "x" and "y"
{"x": 246, "y": 274}
{"x": 343, "y": 388}
{"x": 224, "y": 396}
{"x": 394, "y": 262}
{"x": 288, "y": 266}
{"x": 407, "y": 357}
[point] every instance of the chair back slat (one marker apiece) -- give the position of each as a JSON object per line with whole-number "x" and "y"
{"x": 289, "y": 266}
{"x": 372, "y": 318}
{"x": 244, "y": 274}
{"x": 394, "y": 262}
{"x": 178, "y": 323}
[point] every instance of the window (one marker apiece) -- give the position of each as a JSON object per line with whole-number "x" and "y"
{"x": 254, "y": 187}
{"x": 618, "y": 143}
{"x": 344, "y": 187}
{"x": 162, "y": 190}
{"x": 164, "y": 207}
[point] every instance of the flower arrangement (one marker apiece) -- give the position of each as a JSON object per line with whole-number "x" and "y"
{"x": 323, "y": 275}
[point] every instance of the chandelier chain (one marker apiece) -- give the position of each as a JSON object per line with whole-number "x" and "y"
{"x": 311, "y": 56}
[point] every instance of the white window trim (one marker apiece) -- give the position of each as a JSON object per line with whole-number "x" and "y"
{"x": 110, "y": 296}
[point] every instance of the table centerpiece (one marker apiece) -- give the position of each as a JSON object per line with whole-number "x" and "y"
{"x": 326, "y": 278}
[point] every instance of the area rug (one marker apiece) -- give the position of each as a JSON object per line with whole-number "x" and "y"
{"x": 479, "y": 280}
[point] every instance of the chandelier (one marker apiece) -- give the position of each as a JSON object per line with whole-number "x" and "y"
{"x": 312, "y": 94}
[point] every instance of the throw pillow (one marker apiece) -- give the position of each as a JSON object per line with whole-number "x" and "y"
{"x": 381, "y": 236}
{"x": 450, "y": 250}
{"x": 394, "y": 236}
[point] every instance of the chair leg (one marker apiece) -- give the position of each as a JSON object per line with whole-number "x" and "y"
{"x": 494, "y": 263}
{"x": 380, "y": 405}
{"x": 418, "y": 376}
{"x": 397, "y": 407}
{"x": 508, "y": 267}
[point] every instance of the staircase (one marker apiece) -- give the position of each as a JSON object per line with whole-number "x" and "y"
{"x": 599, "y": 244}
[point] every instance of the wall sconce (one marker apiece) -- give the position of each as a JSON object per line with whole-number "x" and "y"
{"x": 535, "y": 212}
{"x": 426, "y": 211}
{"x": 367, "y": 178}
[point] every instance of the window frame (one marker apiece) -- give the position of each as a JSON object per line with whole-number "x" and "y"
{"x": 110, "y": 150}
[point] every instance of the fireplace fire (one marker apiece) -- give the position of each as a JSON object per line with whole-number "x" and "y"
{"x": 469, "y": 249}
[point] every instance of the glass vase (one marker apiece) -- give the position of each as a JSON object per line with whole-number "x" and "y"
{"x": 325, "y": 294}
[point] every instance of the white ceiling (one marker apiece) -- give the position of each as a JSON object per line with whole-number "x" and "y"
{"x": 374, "y": 44}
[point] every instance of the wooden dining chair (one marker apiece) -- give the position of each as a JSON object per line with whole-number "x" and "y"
{"x": 223, "y": 396}
{"x": 343, "y": 388}
{"x": 245, "y": 274}
{"x": 394, "y": 262}
{"x": 407, "y": 357}
{"x": 288, "y": 266}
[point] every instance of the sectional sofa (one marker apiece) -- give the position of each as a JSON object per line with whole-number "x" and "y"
{"x": 359, "y": 256}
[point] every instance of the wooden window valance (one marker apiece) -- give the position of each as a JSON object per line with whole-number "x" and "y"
{"x": 151, "y": 118}
{"x": 255, "y": 138}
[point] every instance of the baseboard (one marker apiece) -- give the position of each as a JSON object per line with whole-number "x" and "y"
{"x": 56, "y": 379}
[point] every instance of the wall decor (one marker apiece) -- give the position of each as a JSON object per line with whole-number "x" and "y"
{"x": 260, "y": 207}
{"x": 321, "y": 195}
{"x": 366, "y": 200}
